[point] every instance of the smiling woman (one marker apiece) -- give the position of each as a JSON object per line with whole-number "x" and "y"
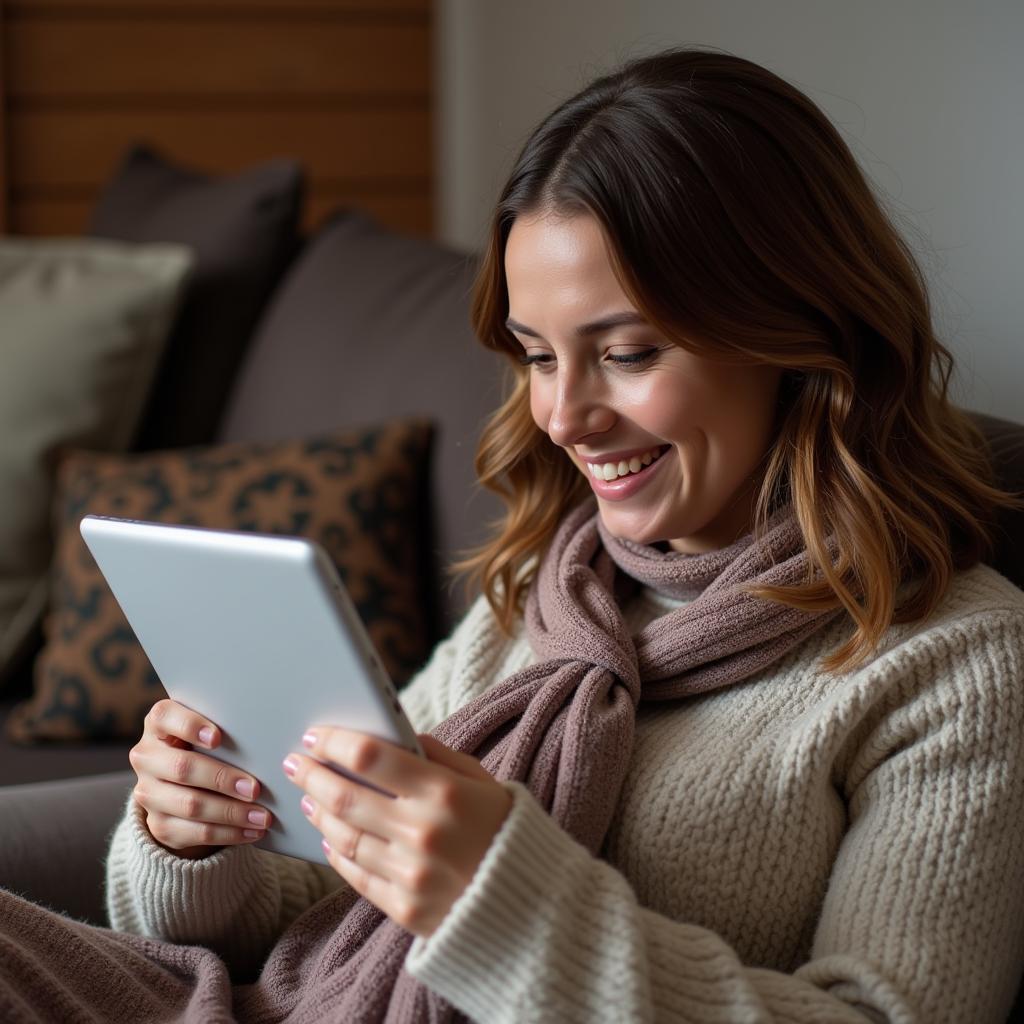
{"x": 718, "y": 207}
{"x": 733, "y": 730}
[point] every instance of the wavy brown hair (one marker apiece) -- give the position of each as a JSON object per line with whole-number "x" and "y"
{"x": 741, "y": 226}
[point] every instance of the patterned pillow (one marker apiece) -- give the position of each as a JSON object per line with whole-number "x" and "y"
{"x": 358, "y": 492}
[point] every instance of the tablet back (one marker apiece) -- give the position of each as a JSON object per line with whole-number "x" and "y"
{"x": 257, "y": 633}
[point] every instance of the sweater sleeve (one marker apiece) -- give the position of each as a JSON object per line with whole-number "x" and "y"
{"x": 923, "y": 920}
{"x": 235, "y": 902}
{"x": 239, "y": 900}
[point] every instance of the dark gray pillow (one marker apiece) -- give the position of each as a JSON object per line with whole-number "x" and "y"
{"x": 1006, "y": 445}
{"x": 242, "y": 230}
{"x": 369, "y": 323}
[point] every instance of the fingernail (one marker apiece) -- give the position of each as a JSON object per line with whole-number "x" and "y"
{"x": 258, "y": 818}
{"x": 206, "y": 736}
{"x": 243, "y": 787}
{"x": 251, "y": 833}
{"x": 326, "y": 847}
{"x": 307, "y": 806}
{"x": 290, "y": 766}
{"x": 309, "y": 740}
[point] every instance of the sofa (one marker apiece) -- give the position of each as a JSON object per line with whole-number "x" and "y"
{"x": 361, "y": 323}
{"x": 353, "y": 326}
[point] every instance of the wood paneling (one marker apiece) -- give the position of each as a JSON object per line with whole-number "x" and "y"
{"x": 56, "y": 216}
{"x": 81, "y": 148}
{"x": 351, "y": 9}
{"x": 343, "y": 86}
{"x": 132, "y": 59}
{"x": 4, "y": 158}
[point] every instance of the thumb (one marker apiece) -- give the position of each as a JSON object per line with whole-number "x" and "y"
{"x": 464, "y": 764}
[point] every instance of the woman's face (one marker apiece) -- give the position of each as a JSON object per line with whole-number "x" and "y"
{"x": 677, "y": 440}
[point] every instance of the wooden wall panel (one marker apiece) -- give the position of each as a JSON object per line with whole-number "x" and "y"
{"x": 344, "y": 86}
{"x": 69, "y": 148}
{"x": 70, "y": 216}
{"x": 4, "y": 158}
{"x": 366, "y": 9}
{"x": 137, "y": 59}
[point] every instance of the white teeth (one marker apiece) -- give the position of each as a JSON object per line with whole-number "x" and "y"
{"x": 611, "y": 470}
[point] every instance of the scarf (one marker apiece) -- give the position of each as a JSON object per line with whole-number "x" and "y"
{"x": 563, "y": 726}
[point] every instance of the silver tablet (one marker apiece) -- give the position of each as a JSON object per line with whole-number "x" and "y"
{"x": 257, "y": 633}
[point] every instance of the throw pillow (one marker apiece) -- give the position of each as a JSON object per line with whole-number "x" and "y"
{"x": 82, "y": 325}
{"x": 242, "y": 229}
{"x": 358, "y": 492}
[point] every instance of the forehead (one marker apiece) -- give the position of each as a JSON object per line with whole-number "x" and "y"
{"x": 553, "y": 257}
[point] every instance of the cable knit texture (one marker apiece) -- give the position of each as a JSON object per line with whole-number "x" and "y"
{"x": 796, "y": 847}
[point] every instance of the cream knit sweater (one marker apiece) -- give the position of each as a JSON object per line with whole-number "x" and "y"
{"x": 796, "y": 847}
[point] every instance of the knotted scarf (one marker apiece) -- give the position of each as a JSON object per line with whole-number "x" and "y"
{"x": 563, "y": 726}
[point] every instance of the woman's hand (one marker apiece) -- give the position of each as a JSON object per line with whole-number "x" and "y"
{"x": 412, "y": 854}
{"x": 194, "y": 803}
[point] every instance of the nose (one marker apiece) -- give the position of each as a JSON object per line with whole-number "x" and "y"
{"x": 578, "y": 409}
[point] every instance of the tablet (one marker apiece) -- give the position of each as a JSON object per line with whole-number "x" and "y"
{"x": 257, "y": 633}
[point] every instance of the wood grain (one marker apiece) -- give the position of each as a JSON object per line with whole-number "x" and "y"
{"x": 342, "y": 86}
{"x": 377, "y": 9}
{"x": 61, "y": 148}
{"x": 4, "y": 152}
{"x": 69, "y": 216}
{"x": 131, "y": 60}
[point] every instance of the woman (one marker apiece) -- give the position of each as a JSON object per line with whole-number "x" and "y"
{"x": 734, "y": 730}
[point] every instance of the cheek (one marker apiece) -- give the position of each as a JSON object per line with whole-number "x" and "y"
{"x": 540, "y": 404}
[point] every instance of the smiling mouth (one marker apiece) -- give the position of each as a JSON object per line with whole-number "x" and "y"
{"x": 608, "y": 471}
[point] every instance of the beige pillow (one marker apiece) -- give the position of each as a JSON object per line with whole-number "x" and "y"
{"x": 82, "y": 326}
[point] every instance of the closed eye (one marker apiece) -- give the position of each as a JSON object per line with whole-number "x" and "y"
{"x": 631, "y": 359}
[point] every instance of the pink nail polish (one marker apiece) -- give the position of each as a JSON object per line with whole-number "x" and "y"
{"x": 307, "y": 806}
{"x": 309, "y": 740}
{"x": 290, "y": 767}
{"x": 326, "y": 847}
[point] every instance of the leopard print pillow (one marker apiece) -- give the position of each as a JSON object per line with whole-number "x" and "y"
{"x": 359, "y": 493}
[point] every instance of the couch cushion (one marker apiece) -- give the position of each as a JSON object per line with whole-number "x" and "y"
{"x": 82, "y": 325}
{"x": 242, "y": 229}
{"x": 1006, "y": 445}
{"x": 368, "y": 322}
{"x": 56, "y": 838}
{"x": 357, "y": 492}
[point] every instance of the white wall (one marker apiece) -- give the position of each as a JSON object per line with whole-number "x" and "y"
{"x": 928, "y": 93}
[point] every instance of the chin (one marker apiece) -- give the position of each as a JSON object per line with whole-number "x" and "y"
{"x": 638, "y": 533}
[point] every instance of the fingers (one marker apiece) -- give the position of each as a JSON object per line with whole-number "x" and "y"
{"x": 180, "y": 817}
{"x": 192, "y": 800}
{"x": 385, "y": 764}
{"x": 355, "y": 844}
{"x": 168, "y": 719}
{"x": 190, "y": 768}
{"x": 339, "y": 797}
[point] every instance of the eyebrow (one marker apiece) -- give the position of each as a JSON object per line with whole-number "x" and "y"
{"x": 606, "y": 323}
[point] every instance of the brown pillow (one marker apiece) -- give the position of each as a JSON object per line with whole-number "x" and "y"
{"x": 359, "y": 492}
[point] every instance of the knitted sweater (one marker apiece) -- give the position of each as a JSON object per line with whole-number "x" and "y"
{"x": 797, "y": 847}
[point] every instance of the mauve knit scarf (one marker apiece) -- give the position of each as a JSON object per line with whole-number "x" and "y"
{"x": 563, "y": 726}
